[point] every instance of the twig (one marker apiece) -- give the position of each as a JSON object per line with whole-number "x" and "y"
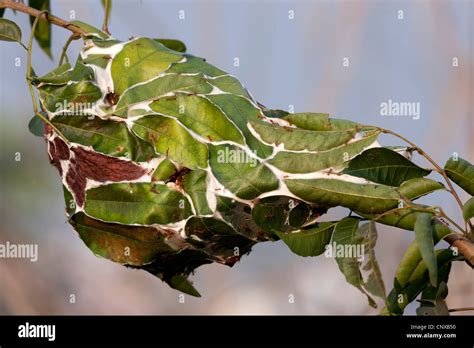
{"x": 440, "y": 213}
{"x": 65, "y": 47}
{"x": 443, "y": 214}
{"x": 28, "y": 77}
{"x": 461, "y": 309}
{"x": 463, "y": 245}
{"x": 20, "y": 7}
{"x": 455, "y": 239}
{"x": 105, "y": 25}
{"x": 425, "y": 155}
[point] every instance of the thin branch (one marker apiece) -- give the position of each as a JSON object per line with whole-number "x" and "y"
{"x": 407, "y": 206}
{"x": 425, "y": 155}
{"x": 462, "y": 309}
{"x": 28, "y": 78}
{"x": 455, "y": 239}
{"x": 463, "y": 245}
{"x": 23, "y": 45}
{"x": 65, "y": 47}
{"x": 431, "y": 209}
{"x": 105, "y": 25}
{"x": 20, "y": 7}
{"x": 444, "y": 215}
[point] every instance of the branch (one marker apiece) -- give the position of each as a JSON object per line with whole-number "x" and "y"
{"x": 463, "y": 245}
{"x": 462, "y": 309}
{"x": 20, "y": 7}
{"x": 105, "y": 26}
{"x": 425, "y": 155}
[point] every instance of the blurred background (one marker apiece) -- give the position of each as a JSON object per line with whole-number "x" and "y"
{"x": 283, "y": 62}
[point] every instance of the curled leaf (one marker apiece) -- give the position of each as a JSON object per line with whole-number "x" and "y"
{"x": 424, "y": 239}
{"x": 468, "y": 209}
{"x": 403, "y": 294}
{"x": 310, "y": 241}
{"x": 36, "y": 126}
{"x": 174, "y": 45}
{"x": 374, "y": 282}
{"x": 9, "y": 31}
{"x": 462, "y": 173}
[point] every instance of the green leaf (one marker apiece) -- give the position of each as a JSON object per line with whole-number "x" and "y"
{"x": 206, "y": 228}
{"x": 468, "y": 209}
{"x": 410, "y": 260}
{"x": 100, "y": 60}
{"x": 401, "y": 217}
{"x": 320, "y": 122}
{"x": 105, "y": 136}
{"x": 274, "y": 113}
{"x": 217, "y": 238}
{"x": 433, "y": 297}
{"x": 419, "y": 187}
{"x": 240, "y": 111}
{"x": 112, "y": 241}
{"x": 303, "y": 162}
{"x": 353, "y": 247}
{"x": 59, "y": 76}
{"x": 181, "y": 283}
{"x": 82, "y": 72}
{"x": 424, "y": 239}
{"x": 345, "y": 234}
{"x": 384, "y": 166}
{"x": 64, "y": 74}
{"x": 296, "y": 139}
{"x": 240, "y": 173}
{"x": 69, "y": 98}
{"x": 230, "y": 84}
{"x": 412, "y": 256}
{"x": 160, "y": 86}
{"x": 171, "y": 139}
{"x": 440, "y": 308}
{"x": 136, "y": 203}
{"x": 280, "y": 213}
{"x": 403, "y": 294}
{"x": 374, "y": 282}
{"x": 164, "y": 171}
{"x": 195, "y": 185}
{"x": 360, "y": 197}
{"x": 199, "y": 115}
{"x": 90, "y": 30}
{"x": 36, "y": 126}
{"x": 42, "y": 33}
{"x": 101, "y": 42}
{"x": 462, "y": 173}
{"x": 364, "y": 198}
{"x": 238, "y": 214}
{"x": 174, "y": 45}
{"x": 301, "y": 213}
{"x": 9, "y": 31}
{"x": 139, "y": 61}
{"x": 310, "y": 121}
{"x": 309, "y": 241}
{"x": 195, "y": 65}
